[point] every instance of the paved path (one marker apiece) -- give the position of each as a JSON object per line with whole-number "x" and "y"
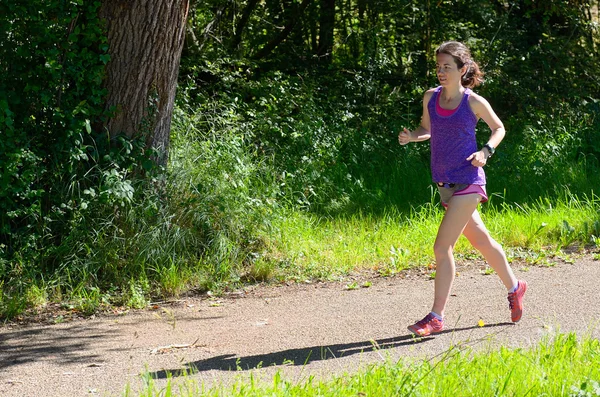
{"x": 301, "y": 330}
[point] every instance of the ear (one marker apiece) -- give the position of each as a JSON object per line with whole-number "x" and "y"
{"x": 464, "y": 70}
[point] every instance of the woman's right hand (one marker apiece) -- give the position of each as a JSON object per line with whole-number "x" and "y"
{"x": 404, "y": 137}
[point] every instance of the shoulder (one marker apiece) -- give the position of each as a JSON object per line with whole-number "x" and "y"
{"x": 482, "y": 109}
{"x": 430, "y": 91}
{"x": 477, "y": 101}
{"x": 428, "y": 94}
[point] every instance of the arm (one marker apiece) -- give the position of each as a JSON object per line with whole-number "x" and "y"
{"x": 422, "y": 132}
{"x": 483, "y": 110}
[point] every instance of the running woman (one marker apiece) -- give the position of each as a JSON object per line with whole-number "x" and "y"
{"x": 450, "y": 114}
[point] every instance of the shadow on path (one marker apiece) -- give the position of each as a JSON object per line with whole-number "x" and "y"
{"x": 77, "y": 343}
{"x": 301, "y": 356}
{"x": 66, "y": 346}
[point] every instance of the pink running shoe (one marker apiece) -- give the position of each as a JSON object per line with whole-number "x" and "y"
{"x": 515, "y": 301}
{"x": 429, "y": 325}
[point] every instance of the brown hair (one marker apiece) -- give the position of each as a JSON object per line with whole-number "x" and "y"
{"x": 462, "y": 56}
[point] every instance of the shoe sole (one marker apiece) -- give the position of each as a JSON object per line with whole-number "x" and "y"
{"x": 423, "y": 335}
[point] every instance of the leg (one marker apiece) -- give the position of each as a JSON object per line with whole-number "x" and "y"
{"x": 480, "y": 238}
{"x": 493, "y": 253}
{"x": 458, "y": 214}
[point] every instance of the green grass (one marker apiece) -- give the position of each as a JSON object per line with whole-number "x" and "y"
{"x": 306, "y": 246}
{"x": 562, "y": 365}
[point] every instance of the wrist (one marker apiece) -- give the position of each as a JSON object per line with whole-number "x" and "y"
{"x": 489, "y": 149}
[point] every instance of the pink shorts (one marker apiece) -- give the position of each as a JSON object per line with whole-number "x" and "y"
{"x": 447, "y": 190}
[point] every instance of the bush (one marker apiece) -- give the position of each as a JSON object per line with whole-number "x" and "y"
{"x": 52, "y": 56}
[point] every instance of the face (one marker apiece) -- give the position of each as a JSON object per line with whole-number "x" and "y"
{"x": 447, "y": 70}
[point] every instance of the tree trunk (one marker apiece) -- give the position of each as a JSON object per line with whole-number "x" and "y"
{"x": 313, "y": 29}
{"x": 326, "y": 28}
{"x": 145, "y": 39}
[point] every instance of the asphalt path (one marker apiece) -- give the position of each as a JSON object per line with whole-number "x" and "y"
{"x": 301, "y": 330}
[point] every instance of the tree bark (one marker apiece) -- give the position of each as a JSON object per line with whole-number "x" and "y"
{"x": 145, "y": 39}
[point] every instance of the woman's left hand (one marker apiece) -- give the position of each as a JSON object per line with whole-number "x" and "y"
{"x": 478, "y": 159}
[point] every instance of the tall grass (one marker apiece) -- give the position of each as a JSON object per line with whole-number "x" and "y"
{"x": 191, "y": 227}
{"x": 200, "y": 236}
{"x": 310, "y": 246}
{"x": 558, "y": 366}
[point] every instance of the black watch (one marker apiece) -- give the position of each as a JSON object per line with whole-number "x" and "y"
{"x": 490, "y": 149}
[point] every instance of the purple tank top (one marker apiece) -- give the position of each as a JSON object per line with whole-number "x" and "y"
{"x": 452, "y": 141}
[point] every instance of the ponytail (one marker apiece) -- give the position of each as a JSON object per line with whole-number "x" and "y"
{"x": 473, "y": 76}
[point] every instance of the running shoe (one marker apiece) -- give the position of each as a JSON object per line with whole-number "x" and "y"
{"x": 429, "y": 325}
{"x": 515, "y": 301}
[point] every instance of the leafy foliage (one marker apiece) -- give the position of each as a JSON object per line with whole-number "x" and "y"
{"x": 51, "y": 57}
{"x": 279, "y": 106}
{"x": 56, "y": 171}
{"x": 330, "y": 126}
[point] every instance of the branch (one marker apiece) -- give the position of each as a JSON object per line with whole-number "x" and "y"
{"x": 192, "y": 44}
{"x": 270, "y": 46}
{"x": 210, "y": 27}
{"x": 243, "y": 22}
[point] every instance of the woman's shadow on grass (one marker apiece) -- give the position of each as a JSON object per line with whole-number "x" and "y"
{"x": 301, "y": 356}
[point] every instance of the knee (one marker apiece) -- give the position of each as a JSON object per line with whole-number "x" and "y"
{"x": 442, "y": 250}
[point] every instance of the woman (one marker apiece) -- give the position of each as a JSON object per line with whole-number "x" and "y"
{"x": 450, "y": 113}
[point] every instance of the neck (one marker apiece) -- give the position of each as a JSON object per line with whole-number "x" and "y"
{"x": 449, "y": 93}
